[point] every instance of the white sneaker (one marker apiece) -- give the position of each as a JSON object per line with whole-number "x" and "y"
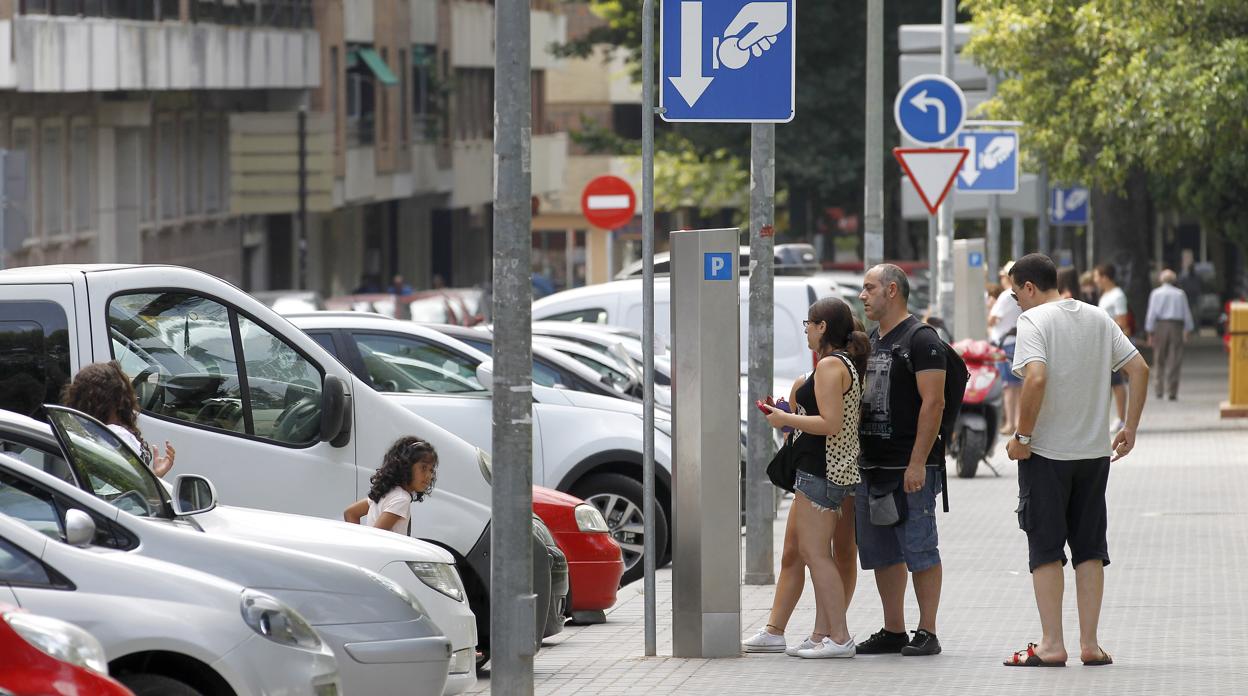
{"x": 763, "y": 642}
{"x": 792, "y": 650}
{"x": 826, "y": 648}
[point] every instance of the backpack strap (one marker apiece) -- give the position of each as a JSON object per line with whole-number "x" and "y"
{"x": 902, "y": 347}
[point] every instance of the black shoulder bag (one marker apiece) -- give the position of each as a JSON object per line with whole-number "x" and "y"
{"x": 782, "y": 470}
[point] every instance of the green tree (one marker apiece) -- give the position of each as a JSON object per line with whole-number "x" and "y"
{"x": 1143, "y": 100}
{"x": 819, "y": 155}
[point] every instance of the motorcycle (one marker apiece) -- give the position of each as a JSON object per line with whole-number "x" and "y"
{"x": 975, "y": 433}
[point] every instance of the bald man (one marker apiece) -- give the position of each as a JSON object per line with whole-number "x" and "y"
{"x": 1168, "y": 325}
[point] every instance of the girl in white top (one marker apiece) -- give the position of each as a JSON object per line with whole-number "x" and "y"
{"x": 408, "y": 472}
{"x": 103, "y": 391}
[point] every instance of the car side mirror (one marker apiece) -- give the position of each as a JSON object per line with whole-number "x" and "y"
{"x": 193, "y": 495}
{"x": 485, "y": 374}
{"x": 335, "y": 412}
{"x": 79, "y": 528}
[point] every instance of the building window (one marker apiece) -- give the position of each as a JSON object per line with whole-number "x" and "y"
{"x": 190, "y": 167}
{"x": 170, "y": 10}
{"x": 18, "y": 170}
{"x": 166, "y": 171}
{"x": 210, "y": 161}
{"x": 146, "y": 197}
{"x": 367, "y": 71}
{"x": 383, "y": 110}
{"x": 424, "y": 100}
{"x": 626, "y": 120}
{"x": 474, "y": 103}
{"x": 537, "y": 101}
{"x": 332, "y": 107}
{"x": 51, "y": 189}
{"x": 35, "y": 7}
{"x": 80, "y": 162}
{"x": 405, "y": 123}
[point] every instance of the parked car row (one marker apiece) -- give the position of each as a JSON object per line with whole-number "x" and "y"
{"x": 257, "y": 409}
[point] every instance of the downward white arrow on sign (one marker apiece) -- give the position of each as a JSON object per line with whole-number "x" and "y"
{"x": 969, "y": 173}
{"x": 690, "y": 83}
{"x": 921, "y": 101}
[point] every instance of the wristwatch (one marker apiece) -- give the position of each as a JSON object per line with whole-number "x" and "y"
{"x": 1022, "y": 439}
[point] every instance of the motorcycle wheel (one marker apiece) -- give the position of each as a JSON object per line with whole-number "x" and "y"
{"x": 973, "y": 445}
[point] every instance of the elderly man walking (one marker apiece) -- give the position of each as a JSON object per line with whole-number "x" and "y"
{"x": 1064, "y": 350}
{"x": 1168, "y": 325}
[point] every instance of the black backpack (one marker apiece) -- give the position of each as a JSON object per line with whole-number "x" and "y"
{"x": 956, "y": 376}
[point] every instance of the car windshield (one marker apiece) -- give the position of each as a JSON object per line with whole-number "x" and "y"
{"x": 109, "y": 470}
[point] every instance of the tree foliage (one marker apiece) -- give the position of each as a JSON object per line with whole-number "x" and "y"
{"x": 1107, "y": 88}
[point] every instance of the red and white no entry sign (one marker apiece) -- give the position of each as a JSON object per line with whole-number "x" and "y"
{"x": 608, "y": 202}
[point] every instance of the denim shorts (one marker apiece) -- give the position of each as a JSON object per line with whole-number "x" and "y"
{"x": 913, "y": 542}
{"x": 822, "y": 492}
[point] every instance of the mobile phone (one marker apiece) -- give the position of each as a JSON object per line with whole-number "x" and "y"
{"x": 763, "y": 407}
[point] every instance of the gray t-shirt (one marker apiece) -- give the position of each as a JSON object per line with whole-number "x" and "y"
{"x": 1080, "y": 345}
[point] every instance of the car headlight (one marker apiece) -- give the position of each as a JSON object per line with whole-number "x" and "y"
{"x": 542, "y": 532}
{"x": 588, "y": 519}
{"x": 440, "y": 576}
{"x": 277, "y": 622}
{"x": 486, "y": 464}
{"x": 397, "y": 589}
{"x": 60, "y": 640}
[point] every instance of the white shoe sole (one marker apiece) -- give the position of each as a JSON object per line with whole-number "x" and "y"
{"x": 822, "y": 655}
{"x": 763, "y": 648}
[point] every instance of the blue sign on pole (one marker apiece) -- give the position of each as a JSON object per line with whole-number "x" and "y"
{"x": 991, "y": 164}
{"x": 728, "y": 60}
{"x": 930, "y": 109}
{"x": 1068, "y": 205}
{"x": 717, "y": 266}
{"x": 975, "y": 259}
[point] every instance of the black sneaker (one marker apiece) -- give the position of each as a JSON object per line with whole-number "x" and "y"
{"x": 924, "y": 643}
{"x": 883, "y": 643}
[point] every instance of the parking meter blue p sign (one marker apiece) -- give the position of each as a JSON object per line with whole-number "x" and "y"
{"x": 974, "y": 259}
{"x": 728, "y": 60}
{"x": 930, "y": 109}
{"x": 717, "y": 266}
{"x": 1068, "y": 206}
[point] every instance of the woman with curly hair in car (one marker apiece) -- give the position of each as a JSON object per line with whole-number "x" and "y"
{"x": 408, "y": 472}
{"x": 102, "y": 390}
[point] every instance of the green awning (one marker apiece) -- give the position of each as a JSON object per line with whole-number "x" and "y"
{"x": 377, "y": 65}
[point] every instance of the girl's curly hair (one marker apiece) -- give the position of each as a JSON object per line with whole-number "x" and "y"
{"x": 396, "y": 468}
{"x": 103, "y": 391}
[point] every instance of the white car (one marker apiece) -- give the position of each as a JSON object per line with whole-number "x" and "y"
{"x": 381, "y": 635}
{"x": 619, "y": 304}
{"x": 165, "y": 628}
{"x": 584, "y": 444}
{"x": 425, "y": 570}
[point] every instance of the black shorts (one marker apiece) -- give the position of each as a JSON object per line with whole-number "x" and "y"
{"x": 1060, "y": 503}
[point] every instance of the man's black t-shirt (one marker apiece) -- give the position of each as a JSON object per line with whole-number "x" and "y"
{"x": 890, "y": 405}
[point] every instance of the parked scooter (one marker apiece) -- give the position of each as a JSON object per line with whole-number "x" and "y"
{"x": 975, "y": 433}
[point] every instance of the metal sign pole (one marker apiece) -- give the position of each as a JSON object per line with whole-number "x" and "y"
{"x": 873, "y": 205}
{"x": 943, "y": 280}
{"x": 760, "y": 499}
{"x": 512, "y": 602}
{"x": 647, "y": 316}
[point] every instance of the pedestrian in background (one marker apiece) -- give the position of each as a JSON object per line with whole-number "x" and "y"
{"x": 827, "y": 407}
{"x": 1063, "y": 453}
{"x": 902, "y": 459}
{"x": 1002, "y": 321}
{"x": 1068, "y": 283}
{"x": 1114, "y": 301}
{"x": 1168, "y": 324}
{"x": 1087, "y": 288}
{"x": 407, "y": 473}
{"x": 104, "y": 392}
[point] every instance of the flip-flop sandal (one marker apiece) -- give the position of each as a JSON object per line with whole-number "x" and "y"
{"x": 1029, "y": 658}
{"x": 1105, "y": 659}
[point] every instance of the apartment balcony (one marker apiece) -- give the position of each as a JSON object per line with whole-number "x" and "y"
{"x": 52, "y": 54}
{"x": 470, "y": 21}
{"x": 473, "y": 168}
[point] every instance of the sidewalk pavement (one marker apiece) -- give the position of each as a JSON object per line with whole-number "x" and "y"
{"x": 1174, "y": 614}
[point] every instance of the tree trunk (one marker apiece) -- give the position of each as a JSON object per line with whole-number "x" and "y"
{"x": 1123, "y": 224}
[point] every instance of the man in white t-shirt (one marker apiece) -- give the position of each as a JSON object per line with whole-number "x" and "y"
{"x": 1064, "y": 349}
{"x": 1002, "y": 320}
{"x": 1114, "y": 302}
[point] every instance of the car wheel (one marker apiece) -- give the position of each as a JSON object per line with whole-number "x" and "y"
{"x": 619, "y": 499}
{"x": 156, "y": 685}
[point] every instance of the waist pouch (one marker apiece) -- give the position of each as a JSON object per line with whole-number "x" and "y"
{"x": 886, "y": 501}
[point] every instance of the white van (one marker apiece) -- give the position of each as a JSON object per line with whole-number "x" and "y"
{"x": 248, "y": 400}
{"x": 618, "y": 303}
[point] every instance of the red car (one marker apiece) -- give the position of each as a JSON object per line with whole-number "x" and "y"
{"x": 595, "y": 564}
{"x": 41, "y": 656}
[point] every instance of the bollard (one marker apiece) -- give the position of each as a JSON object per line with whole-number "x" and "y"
{"x": 1237, "y": 326}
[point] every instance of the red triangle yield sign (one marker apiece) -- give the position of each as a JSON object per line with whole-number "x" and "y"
{"x": 931, "y": 170}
